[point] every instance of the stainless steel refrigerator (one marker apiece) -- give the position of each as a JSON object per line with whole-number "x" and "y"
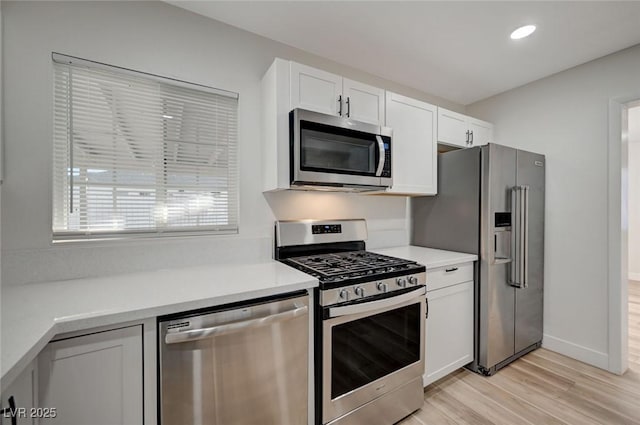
{"x": 490, "y": 202}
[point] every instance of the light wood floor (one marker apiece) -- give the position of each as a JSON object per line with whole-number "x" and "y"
{"x": 541, "y": 388}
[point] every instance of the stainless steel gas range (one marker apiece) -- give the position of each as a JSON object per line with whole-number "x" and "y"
{"x": 369, "y": 322}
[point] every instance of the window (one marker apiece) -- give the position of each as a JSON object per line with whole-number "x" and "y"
{"x": 140, "y": 154}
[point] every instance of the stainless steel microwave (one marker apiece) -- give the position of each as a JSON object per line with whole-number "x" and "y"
{"x": 337, "y": 153}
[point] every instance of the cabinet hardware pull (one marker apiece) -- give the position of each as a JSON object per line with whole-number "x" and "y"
{"x": 427, "y": 314}
{"x": 471, "y": 142}
{"x": 467, "y": 141}
{"x": 340, "y": 105}
{"x": 453, "y": 269}
{"x": 11, "y": 410}
{"x": 348, "y": 107}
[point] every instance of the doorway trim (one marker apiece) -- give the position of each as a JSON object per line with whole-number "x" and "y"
{"x": 617, "y": 234}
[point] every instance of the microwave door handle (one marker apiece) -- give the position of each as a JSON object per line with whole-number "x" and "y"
{"x": 381, "y": 157}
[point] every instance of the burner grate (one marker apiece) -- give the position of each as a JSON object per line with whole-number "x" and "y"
{"x": 348, "y": 264}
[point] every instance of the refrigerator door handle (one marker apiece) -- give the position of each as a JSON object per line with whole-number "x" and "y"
{"x": 525, "y": 239}
{"x": 515, "y": 238}
{"x": 520, "y": 236}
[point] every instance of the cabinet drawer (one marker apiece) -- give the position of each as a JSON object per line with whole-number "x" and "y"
{"x": 449, "y": 275}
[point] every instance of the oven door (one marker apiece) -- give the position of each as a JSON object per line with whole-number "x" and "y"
{"x": 335, "y": 151}
{"x": 369, "y": 349}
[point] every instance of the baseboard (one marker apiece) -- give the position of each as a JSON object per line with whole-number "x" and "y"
{"x": 575, "y": 351}
{"x": 444, "y": 371}
{"x": 634, "y": 276}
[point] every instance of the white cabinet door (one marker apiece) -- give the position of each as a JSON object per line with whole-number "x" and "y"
{"x": 288, "y": 85}
{"x": 459, "y": 130}
{"x": 449, "y": 331}
{"x": 93, "y": 379}
{"x": 363, "y": 102}
{"x": 24, "y": 392}
{"x": 315, "y": 90}
{"x": 413, "y": 150}
{"x": 481, "y": 132}
{"x": 452, "y": 128}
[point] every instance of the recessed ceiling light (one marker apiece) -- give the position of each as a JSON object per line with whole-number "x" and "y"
{"x": 523, "y": 32}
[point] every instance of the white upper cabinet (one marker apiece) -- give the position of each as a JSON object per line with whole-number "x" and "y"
{"x": 455, "y": 129}
{"x": 288, "y": 85}
{"x": 452, "y": 128}
{"x": 414, "y": 149}
{"x": 362, "y": 102}
{"x": 315, "y": 90}
{"x": 481, "y": 132}
{"x": 322, "y": 91}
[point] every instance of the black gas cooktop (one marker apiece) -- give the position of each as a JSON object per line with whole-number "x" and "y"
{"x": 352, "y": 266}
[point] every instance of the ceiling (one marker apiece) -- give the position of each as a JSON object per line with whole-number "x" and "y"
{"x": 460, "y": 51}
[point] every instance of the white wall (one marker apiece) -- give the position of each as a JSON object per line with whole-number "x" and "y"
{"x": 1, "y": 142}
{"x": 565, "y": 117}
{"x": 634, "y": 193}
{"x": 161, "y": 39}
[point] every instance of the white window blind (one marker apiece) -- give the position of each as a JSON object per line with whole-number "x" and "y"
{"x": 140, "y": 154}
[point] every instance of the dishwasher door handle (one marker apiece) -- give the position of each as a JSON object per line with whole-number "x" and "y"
{"x": 196, "y": 334}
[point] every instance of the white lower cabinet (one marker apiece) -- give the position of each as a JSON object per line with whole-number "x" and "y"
{"x": 449, "y": 327}
{"x": 93, "y": 379}
{"x": 24, "y": 392}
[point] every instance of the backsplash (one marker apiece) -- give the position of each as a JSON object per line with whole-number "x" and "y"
{"x": 386, "y": 221}
{"x": 78, "y": 260}
{"x": 386, "y": 216}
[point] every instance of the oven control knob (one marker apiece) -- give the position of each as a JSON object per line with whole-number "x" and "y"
{"x": 359, "y": 290}
{"x": 401, "y": 281}
{"x": 413, "y": 280}
{"x": 383, "y": 287}
{"x": 344, "y": 294}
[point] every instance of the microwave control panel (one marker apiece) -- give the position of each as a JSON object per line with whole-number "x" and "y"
{"x": 386, "y": 172}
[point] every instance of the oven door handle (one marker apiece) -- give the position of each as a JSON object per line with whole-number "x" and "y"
{"x": 376, "y": 305}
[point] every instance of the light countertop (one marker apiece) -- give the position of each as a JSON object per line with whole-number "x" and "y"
{"x": 32, "y": 314}
{"x": 430, "y": 257}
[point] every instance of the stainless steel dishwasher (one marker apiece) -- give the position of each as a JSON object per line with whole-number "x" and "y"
{"x": 241, "y": 364}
